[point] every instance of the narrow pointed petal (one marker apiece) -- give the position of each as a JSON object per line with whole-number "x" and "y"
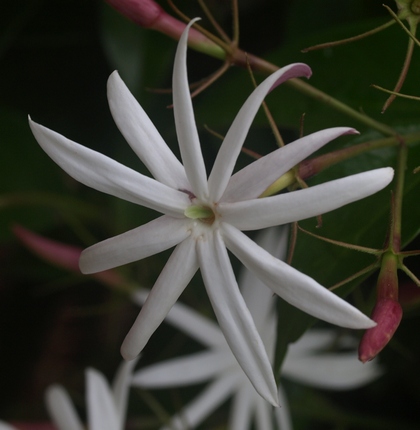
{"x": 142, "y": 135}
{"x": 186, "y": 129}
{"x": 309, "y": 202}
{"x": 104, "y": 174}
{"x": 175, "y": 276}
{"x": 254, "y": 179}
{"x": 121, "y": 388}
{"x": 334, "y": 371}
{"x": 243, "y": 408}
{"x": 282, "y": 414}
{"x": 186, "y": 370}
{"x": 189, "y": 321}
{"x": 234, "y": 317}
{"x": 61, "y": 410}
{"x": 293, "y": 286}
{"x": 235, "y": 137}
{"x": 258, "y": 297}
{"x": 205, "y": 403}
{"x": 102, "y": 413}
{"x": 264, "y": 414}
{"x": 149, "y": 239}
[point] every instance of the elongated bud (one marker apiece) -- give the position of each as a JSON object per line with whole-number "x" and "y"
{"x": 387, "y": 312}
{"x": 61, "y": 254}
{"x": 148, "y": 14}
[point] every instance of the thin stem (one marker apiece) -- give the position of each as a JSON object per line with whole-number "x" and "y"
{"x": 312, "y": 166}
{"x": 349, "y": 39}
{"x": 225, "y": 46}
{"x": 272, "y": 123}
{"x": 402, "y": 76}
{"x": 292, "y": 243}
{"x": 395, "y": 234}
{"x": 410, "y": 274}
{"x": 235, "y": 14}
{"x": 364, "y": 249}
{"x": 213, "y": 22}
{"x": 362, "y": 272}
{"x": 211, "y": 79}
{"x": 405, "y": 96}
{"x": 401, "y": 24}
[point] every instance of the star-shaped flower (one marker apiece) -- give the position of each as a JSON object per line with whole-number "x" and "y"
{"x": 203, "y": 217}
{"x": 307, "y": 360}
{"x": 106, "y": 406}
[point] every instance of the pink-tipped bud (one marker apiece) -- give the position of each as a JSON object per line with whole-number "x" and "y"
{"x": 147, "y": 13}
{"x": 142, "y": 12}
{"x": 387, "y": 312}
{"x": 61, "y": 254}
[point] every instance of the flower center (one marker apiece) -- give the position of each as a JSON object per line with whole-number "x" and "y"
{"x": 202, "y": 213}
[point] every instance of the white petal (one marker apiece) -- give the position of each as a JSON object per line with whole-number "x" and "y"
{"x": 263, "y": 414}
{"x": 306, "y": 203}
{"x": 254, "y": 179}
{"x": 5, "y": 426}
{"x": 142, "y": 135}
{"x": 258, "y": 297}
{"x": 314, "y": 340}
{"x": 234, "y": 317}
{"x": 61, "y": 409}
{"x": 204, "y": 404}
{"x": 334, "y": 371}
{"x": 243, "y": 408}
{"x": 186, "y": 130}
{"x": 189, "y": 321}
{"x": 172, "y": 281}
{"x": 186, "y": 370}
{"x": 232, "y": 144}
{"x": 102, "y": 413}
{"x": 121, "y": 388}
{"x": 293, "y": 286}
{"x": 282, "y": 413}
{"x": 141, "y": 242}
{"x": 97, "y": 171}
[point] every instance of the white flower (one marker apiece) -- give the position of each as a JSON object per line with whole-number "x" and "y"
{"x": 106, "y": 406}
{"x": 203, "y": 217}
{"x": 305, "y": 362}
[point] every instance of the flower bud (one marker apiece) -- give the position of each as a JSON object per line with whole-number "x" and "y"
{"x": 61, "y": 255}
{"x": 387, "y": 312}
{"x": 148, "y": 14}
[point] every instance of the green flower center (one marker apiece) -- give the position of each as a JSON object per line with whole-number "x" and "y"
{"x": 202, "y": 213}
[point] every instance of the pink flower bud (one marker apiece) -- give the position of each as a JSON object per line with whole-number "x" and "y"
{"x": 147, "y": 13}
{"x": 387, "y": 312}
{"x": 142, "y": 12}
{"x": 61, "y": 254}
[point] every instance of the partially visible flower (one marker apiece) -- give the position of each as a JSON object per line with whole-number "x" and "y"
{"x": 106, "y": 406}
{"x": 306, "y": 362}
{"x": 203, "y": 217}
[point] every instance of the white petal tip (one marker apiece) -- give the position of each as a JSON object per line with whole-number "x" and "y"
{"x": 84, "y": 266}
{"x": 128, "y": 352}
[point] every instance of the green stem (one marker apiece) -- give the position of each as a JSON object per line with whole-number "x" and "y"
{"x": 241, "y": 59}
{"x": 311, "y": 167}
{"x": 395, "y": 234}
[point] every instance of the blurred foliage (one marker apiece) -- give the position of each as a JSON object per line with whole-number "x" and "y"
{"x": 55, "y": 57}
